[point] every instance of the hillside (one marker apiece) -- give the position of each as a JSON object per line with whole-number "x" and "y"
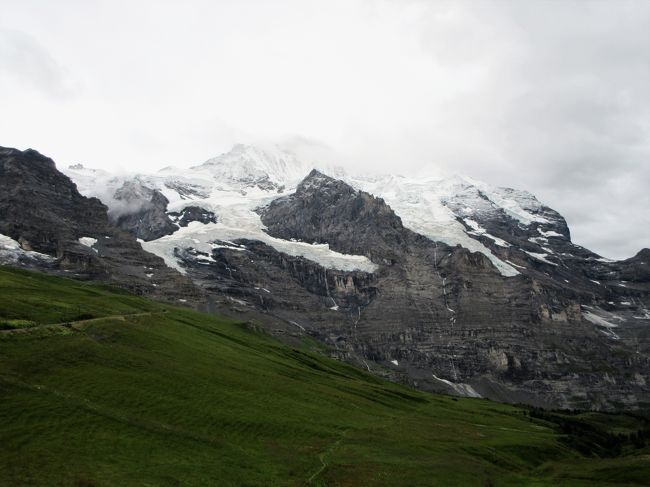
{"x": 102, "y": 388}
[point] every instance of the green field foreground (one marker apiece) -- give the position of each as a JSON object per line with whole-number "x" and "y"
{"x": 102, "y": 388}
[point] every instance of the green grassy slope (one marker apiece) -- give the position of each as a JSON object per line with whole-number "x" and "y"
{"x": 100, "y": 388}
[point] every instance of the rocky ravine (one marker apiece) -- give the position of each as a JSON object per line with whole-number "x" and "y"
{"x": 449, "y": 286}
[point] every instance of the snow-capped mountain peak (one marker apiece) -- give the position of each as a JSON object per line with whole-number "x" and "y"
{"x": 253, "y": 165}
{"x": 453, "y": 210}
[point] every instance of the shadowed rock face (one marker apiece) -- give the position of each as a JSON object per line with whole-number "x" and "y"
{"x": 40, "y": 207}
{"x": 326, "y": 210}
{"x": 143, "y": 211}
{"x": 42, "y": 210}
{"x": 635, "y": 269}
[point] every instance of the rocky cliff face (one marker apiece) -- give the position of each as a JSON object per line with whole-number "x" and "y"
{"x": 141, "y": 211}
{"x": 43, "y": 212}
{"x": 326, "y": 210}
{"x": 441, "y": 312}
{"x": 446, "y": 285}
{"x": 40, "y": 207}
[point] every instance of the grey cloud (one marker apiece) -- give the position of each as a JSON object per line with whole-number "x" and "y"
{"x": 548, "y": 96}
{"x": 25, "y": 60}
{"x": 571, "y": 110}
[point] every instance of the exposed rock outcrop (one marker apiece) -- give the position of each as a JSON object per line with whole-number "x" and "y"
{"x": 326, "y": 210}
{"x": 193, "y": 214}
{"x": 141, "y": 211}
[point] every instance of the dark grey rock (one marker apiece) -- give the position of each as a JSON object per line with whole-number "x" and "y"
{"x": 142, "y": 211}
{"x": 193, "y": 214}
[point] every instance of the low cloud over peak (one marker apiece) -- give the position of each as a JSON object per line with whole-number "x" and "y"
{"x": 552, "y": 97}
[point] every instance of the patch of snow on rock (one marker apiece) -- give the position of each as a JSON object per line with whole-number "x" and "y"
{"x": 549, "y": 233}
{"x": 8, "y": 243}
{"x": 459, "y": 388}
{"x": 603, "y": 319}
{"x": 88, "y": 242}
{"x": 540, "y": 257}
{"x": 480, "y": 231}
{"x": 12, "y": 253}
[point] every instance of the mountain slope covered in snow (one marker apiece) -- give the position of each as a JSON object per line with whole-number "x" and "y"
{"x": 234, "y": 184}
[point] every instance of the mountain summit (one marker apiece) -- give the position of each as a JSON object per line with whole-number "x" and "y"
{"x": 269, "y": 168}
{"x": 445, "y": 284}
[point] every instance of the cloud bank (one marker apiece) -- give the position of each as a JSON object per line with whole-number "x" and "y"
{"x": 552, "y": 97}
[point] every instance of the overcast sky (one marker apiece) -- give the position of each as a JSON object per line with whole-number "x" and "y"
{"x": 549, "y": 96}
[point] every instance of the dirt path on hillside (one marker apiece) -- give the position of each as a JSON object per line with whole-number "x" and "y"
{"x": 79, "y": 324}
{"x": 323, "y": 457}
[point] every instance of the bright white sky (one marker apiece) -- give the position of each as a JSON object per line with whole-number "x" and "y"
{"x": 552, "y": 96}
